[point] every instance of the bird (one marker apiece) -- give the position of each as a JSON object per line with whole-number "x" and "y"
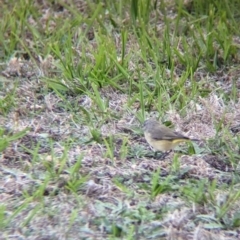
{"x": 162, "y": 138}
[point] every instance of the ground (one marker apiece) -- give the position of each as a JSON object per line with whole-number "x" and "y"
{"x": 78, "y": 80}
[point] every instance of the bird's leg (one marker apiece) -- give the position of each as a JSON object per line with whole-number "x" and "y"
{"x": 162, "y": 156}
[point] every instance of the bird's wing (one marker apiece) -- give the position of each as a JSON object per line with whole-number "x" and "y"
{"x": 160, "y": 134}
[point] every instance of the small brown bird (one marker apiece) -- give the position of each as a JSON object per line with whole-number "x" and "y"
{"x": 162, "y": 138}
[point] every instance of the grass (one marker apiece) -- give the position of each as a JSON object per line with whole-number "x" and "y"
{"x": 77, "y": 82}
